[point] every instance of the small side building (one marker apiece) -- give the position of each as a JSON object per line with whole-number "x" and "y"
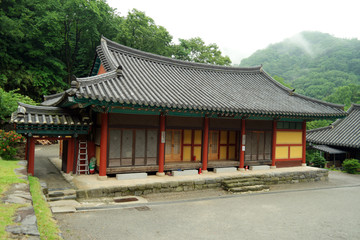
{"x": 340, "y": 140}
{"x": 150, "y": 113}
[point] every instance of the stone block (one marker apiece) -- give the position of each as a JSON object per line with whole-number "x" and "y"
{"x": 260, "y": 167}
{"x": 225, "y": 170}
{"x": 64, "y": 209}
{"x": 127, "y": 176}
{"x": 185, "y": 173}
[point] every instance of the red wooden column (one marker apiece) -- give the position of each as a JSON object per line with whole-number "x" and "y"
{"x": 27, "y": 148}
{"x": 242, "y": 146}
{"x": 103, "y": 144}
{"x": 303, "y": 162}
{"x": 31, "y": 156}
{"x": 205, "y": 145}
{"x": 70, "y": 155}
{"x": 273, "y": 144}
{"x": 161, "y": 155}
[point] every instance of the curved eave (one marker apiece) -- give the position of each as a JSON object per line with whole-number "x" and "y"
{"x": 207, "y": 110}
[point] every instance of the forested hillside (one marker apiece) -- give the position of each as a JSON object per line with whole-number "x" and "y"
{"x": 315, "y": 64}
{"x": 44, "y": 42}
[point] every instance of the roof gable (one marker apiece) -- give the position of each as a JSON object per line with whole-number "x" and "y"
{"x": 343, "y": 132}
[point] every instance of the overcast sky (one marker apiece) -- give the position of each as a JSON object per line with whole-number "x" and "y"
{"x": 240, "y": 27}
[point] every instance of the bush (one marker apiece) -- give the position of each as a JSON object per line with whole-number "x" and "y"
{"x": 8, "y": 141}
{"x": 314, "y": 159}
{"x": 351, "y": 165}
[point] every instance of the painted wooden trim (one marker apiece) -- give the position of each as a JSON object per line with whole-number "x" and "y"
{"x": 303, "y": 160}
{"x": 289, "y": 130}
{"x": 286, "y": 159}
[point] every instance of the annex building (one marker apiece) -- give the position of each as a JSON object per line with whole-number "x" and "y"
{"x": 340, "y": 140}
{"x": 140, "y": 112}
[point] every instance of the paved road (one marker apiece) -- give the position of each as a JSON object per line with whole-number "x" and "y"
{"x": 305, "y": 211}
{"x": 45, "y": 170}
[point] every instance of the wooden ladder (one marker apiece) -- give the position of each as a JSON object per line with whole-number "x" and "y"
{"x": 82, "y": 160}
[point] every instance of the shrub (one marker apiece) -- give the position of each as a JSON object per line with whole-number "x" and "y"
{"x": 351, "y": 165}
{"x": 314, "y": 159}
{"x": 8, "y": 141}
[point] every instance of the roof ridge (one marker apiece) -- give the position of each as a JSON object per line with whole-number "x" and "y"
{"x": 41, "y": 108}
{"x": 167, "y": 60}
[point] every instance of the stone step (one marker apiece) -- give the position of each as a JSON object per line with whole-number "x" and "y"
{"x": 254, "y": 188}
{"x": 61, "y": 194}
{"x": 243, "y": 184}
{"x": 67, "y": 197}
{"x": 247, "y": 179}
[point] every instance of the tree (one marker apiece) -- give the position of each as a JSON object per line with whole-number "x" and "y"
{"x": 28, "y": 46}
{"x": 9, "y": 103}
{"x": 345, "y": 95}
{"x": 195, "y": 50}
{"x": 140, "y": 31}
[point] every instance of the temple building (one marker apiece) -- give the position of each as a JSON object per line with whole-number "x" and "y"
{"x": 140, "y": 112}
{"x": 340, "y": 140}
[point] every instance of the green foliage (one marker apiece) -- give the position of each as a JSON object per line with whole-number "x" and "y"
{"x": 282, "y": 81}
{"x": 140, "y": 31}
{"x": 195, "y": 50}
{"x": 7, "y": 210}
{"x": 317, "y": 124}
{"x": 8, "y": 103}
{"x": 314, "y": 159}
{"x": 8, "y": 140}
{"x": 351, "y": 166}
{"x": 316, "y": 65}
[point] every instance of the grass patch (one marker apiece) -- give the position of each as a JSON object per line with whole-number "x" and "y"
{"x": 46, "y": 224}
{"x": 7, "y": 178}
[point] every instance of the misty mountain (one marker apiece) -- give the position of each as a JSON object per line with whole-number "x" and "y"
{"x": 315, "y": 64}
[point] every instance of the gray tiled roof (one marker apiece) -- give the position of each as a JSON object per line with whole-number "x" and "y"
{"x": 142, "y": 79}
{"x": 328, "y": 149}
{"x": 344, "y": 132}
{"x": 43, "y": 115}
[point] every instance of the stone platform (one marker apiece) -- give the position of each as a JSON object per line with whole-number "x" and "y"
{"x": 89, "y": 187}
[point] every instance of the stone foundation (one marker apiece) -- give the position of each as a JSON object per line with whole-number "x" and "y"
{"x": 202, "y": 184}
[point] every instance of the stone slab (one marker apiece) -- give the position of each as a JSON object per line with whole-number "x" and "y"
{"x": 62, "y": 203}
{"x": 185, "y": 173}
{"x": 225, "y": 170}
{"x": 64, "y": 209}
{"x": 128, "y": 176}
{"x": 260, "y": 167}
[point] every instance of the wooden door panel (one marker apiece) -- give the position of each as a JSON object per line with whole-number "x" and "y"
{"x": 213, "y": 145}
{"x": 223, "y": 152}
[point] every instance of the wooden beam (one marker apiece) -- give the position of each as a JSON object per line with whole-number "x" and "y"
{"x": 303, "y": 162}
{"x": 273, "y": 144}
{"x": 161, "y": 154}
{"x": 205, "y": 144}
{"x": 242, "y": 145}
{"x": 31, "y": 156}
{"x": 103, "y": 144}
